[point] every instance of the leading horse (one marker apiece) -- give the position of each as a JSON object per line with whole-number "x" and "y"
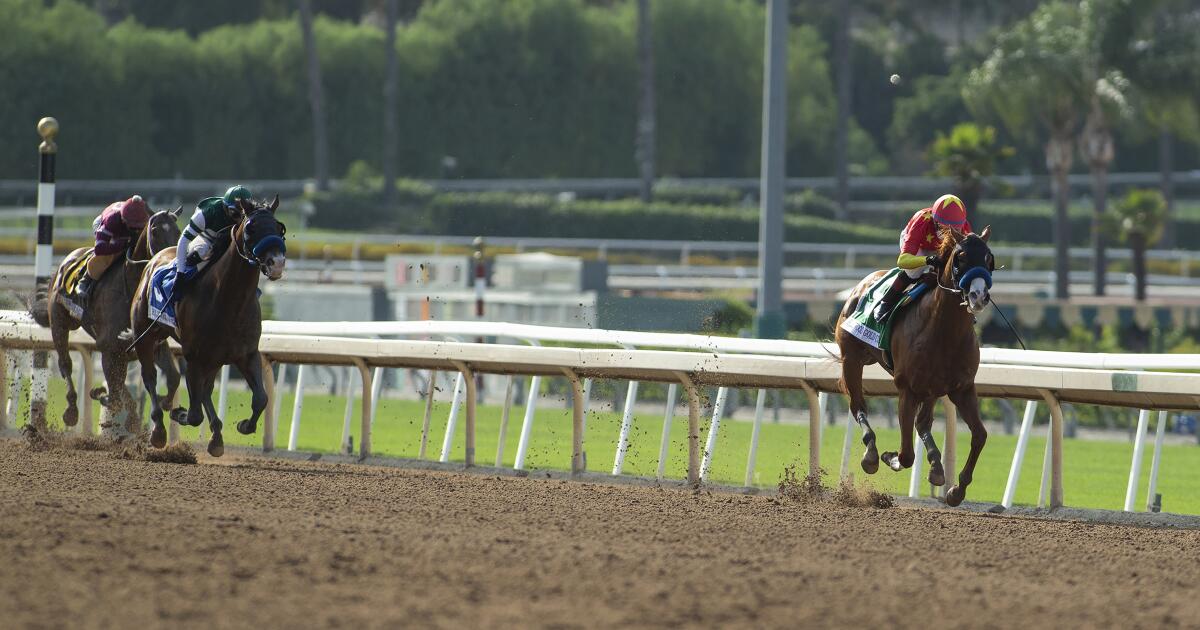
{"x": 106, "y": 317}
{"x": 935, "y": 354}
{"x": 218, "y": 321}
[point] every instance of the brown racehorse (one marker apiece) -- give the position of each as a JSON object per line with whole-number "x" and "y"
{"x": 218, "y": 321}
{"x": 107, "y": 316}
{"x": 935, "y": 354}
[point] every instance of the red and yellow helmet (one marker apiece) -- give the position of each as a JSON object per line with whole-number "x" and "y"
{"x": 950, "y": 211}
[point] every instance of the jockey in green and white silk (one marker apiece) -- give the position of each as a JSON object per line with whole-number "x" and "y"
{"x": 213, "y": 215}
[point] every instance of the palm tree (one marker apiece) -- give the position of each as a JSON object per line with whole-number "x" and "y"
{"x": 316, "y": 97}
{"x": 646, "y": 125}
{"x": 1037, "y": 74}
{"x": 390, "y": 78}
{"x": 969, "y": 155}
{"x": 1138, "y": 220}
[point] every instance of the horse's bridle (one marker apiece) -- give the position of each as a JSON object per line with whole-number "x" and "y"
{"x": 968, "y": 276}
{"x": 242, "y": 244}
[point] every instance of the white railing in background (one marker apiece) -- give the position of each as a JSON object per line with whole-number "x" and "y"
{"x": 724, "y": 362}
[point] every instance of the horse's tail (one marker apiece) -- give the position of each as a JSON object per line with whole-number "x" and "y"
{"x": 39, "y": 308}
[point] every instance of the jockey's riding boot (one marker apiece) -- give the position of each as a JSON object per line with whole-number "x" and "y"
{"x": 84, "y": 292}
{"x": 893, "y": 295}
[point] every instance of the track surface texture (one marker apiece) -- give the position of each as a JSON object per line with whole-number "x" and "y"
{"x": 91, "y": 540}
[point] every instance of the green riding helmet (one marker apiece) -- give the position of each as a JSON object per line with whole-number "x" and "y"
{"x": 234, "y": 194}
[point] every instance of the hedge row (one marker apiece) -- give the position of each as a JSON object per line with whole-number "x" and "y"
{"x": 504, "y": 214}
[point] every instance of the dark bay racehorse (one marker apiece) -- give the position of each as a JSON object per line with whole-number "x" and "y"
{"x": 107, "y": 316}
{"x": 218, "y": 321}
{"x": 935, "y": 354}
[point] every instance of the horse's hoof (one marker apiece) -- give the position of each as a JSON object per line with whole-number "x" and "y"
{"x": 870, "y": 461}
{"x": 179, "y": 414}
{"x": 216, "y": 446}
{"x": 71, "y": 416}
{"x": 937, "y": 476}
{"x": 892, "y": 459}
{"x": 955, "y": 495}
{"x": 158, "y": 436}
{"x": 99, "y": 393}
{"x": 246, "y": 427}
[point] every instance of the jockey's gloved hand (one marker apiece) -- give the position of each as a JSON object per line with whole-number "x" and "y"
{"x": 193, "y": 260}
{"x": 933, "y": 261}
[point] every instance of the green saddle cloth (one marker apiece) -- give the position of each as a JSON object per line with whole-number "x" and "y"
{"x": 862, "y": 323}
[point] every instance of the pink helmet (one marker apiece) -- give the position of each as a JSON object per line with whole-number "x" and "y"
{"x": 949, "y": 210}
{"x": 134, "y": 213}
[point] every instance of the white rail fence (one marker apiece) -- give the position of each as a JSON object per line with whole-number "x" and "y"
{"x": 692, "y": 362}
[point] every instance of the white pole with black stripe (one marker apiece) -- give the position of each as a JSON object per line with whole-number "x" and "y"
{"x": 48, "y": 129}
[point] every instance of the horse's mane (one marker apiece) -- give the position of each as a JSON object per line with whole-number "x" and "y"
{"x": 946, "y": 246}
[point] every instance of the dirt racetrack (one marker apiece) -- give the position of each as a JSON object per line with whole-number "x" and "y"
{"x": 90, "y": 540}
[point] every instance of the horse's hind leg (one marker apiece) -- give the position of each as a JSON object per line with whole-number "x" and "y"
{"x": 909, "y": 408}
{"x": 937, "y": 476}
{"x": 968, "y": 408}
{"x": 852, "y": 379}
{"x": 65, "y": 369}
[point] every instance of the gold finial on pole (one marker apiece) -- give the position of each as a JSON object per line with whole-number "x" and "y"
{"x": 48, "y": 128}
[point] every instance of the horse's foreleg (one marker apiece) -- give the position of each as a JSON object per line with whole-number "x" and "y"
{"x": 968, "y": 408}
{"x": 145, "y": 354}
{"x": 937, "y": 475}
{"x": 216, "y": 444}
{"x": 852, "y": 379}
{"x": 909, "y": 408}
{"x": 251, "y": 367}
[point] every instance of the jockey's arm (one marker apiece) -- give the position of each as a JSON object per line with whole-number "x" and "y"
{"x": 910, "y": 261}
{"x": 194, "y": 227}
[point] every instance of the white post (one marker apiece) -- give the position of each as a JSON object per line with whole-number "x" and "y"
{"x": 1014, "y": 471}
{"x": 280, "y": 383}
{"x": 672, "y": 399}
{"x": 13, "y": 406}
{"x": 223, "y": 394}
{"x": 1135, "y": 467}
{"x": 535, "y": 386}
{"x": 713, "y": 428}
{"x": 452, "y": 422}
{"x": 376, "y": 391}
{"x": 914, "y": 481}
{"x": 845, "y": 472}
{"x": 297, "y": 408}
{"x": 37, "y": 389}
{"x": 508, "y": 398}
{"x": 758, "y": 414}
{"x": 348, "y": 388}
{"x": 1045, "y": 489}
{"x": 1158, "y": 444}
{"x": 626, "y": 423}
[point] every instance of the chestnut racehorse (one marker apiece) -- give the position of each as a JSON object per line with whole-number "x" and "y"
{"x": 935, "y": 354}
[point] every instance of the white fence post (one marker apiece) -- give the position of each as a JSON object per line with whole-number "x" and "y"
{"x": 297, "y": 408}
{"x": 672, "y": 399}
{"x": 280, "y": 384}
{"x": 223, "y": 394}
{"x": 452, "y": 421}
{"x": 432, "y": 387}
{"x": 348, "y": 388}
{"x": 845, "y": 472}
{"x": 914, "y": 480}
{"x": 376, "y": 392}
{"x": 714, "y": 428}
{"x": 535, "y": 386}
{"x": 1014, "y": 471}
{"x": 1158, "y": 444}
{"x": 508, "y": 398}
{"x": 753, "y": 455}
{"x": 1135, "y": 467}
{"x": 626, "y": 423}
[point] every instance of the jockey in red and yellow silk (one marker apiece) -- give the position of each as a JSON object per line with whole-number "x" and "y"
{"x": 919, "y": 243}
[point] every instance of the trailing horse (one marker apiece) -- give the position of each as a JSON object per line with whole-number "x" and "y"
{"x": 217, "y": 322}
{"x": 935, "y": 354}
{"x": 106, "y": 317}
